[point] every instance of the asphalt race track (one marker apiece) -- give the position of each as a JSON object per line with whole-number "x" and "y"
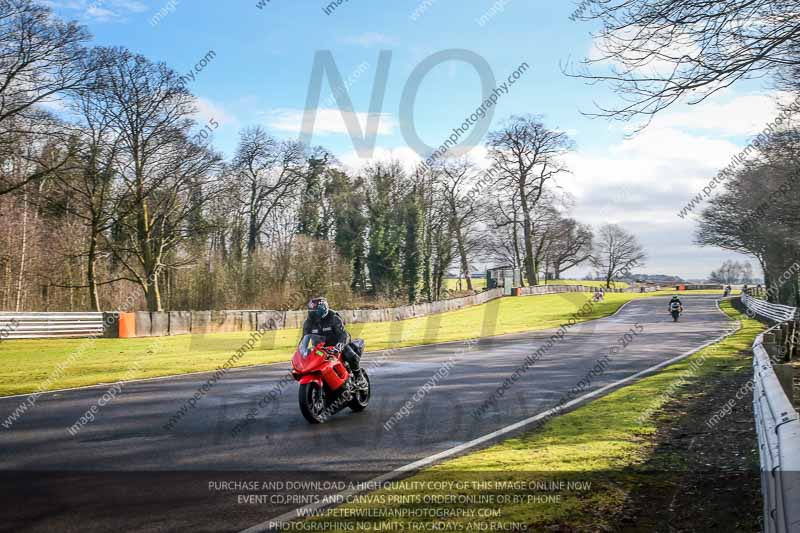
{"x": 125, "y": 471}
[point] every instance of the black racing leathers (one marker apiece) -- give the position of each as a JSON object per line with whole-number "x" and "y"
{"x": 331, "y": 327}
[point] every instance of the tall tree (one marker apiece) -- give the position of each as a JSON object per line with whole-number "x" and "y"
{"x": 528, "y": 155}
{"x": 151, "y": 111}
{"x": 571, "y": 246}
{"x": 463, "y": 210}
{"x": 386, "y": 233}
{"x": 89, "y": 181}
{"x": 756, "y": 214}
{"x": 617, "y": 252}
{"x": 270, "y": 173}
{"x": 41, "y": 57}
{"x": 346, "y": 201}
{"x": 310, "y": 218}
{"x": 411, "y": 246}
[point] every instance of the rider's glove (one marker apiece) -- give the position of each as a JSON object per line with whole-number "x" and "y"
{"x": 339, "y": 347}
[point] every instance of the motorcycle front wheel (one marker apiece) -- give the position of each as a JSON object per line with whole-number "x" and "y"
{"x": 312, "y": 402}
{"x": 361, "y": 397}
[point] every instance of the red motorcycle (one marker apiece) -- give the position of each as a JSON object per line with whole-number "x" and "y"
{"x": 326, "y": 384}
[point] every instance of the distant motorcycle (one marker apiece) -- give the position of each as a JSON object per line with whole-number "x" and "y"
{"x": 675, "y": 309}
{"x": 326, "y": 384}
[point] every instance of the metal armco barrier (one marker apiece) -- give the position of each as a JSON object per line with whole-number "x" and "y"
{"x": 774, "y": 312}
{"x": 778, "y": 429}
{"x": 50, "y": 325}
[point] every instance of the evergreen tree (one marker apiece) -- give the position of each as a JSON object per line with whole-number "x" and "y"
{"x": 412, "y": 215}
{"x": 386, "y": 234}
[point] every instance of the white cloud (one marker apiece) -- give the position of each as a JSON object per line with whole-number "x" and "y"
{"x": 328, "y": 121}
{"x": 740, "y": 115}
{"x": 208, "y": 110}
{"x": 101, "y": 10}
{"x": 643, "y": 182}
{"x": 406, "y": 156}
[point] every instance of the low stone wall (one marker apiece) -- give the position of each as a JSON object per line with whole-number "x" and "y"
{"x": 198, "y": 322}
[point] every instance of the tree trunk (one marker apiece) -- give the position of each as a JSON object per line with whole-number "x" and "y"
{"x": 530, "y": 273}
{"x": 91, "y": 275}
{"x": 517, "y": 256}
{"x": 252, "y": 234}
{"x": 23, "y": 251}
{"x": 462, "y": 252}
{"x": 152, "y": 294}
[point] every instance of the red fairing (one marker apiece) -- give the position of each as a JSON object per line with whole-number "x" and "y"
{"x": 309, "y": 378}
{"x": 320, "y": 365}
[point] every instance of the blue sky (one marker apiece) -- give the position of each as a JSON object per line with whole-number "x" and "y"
{"x": 263, "y": 65}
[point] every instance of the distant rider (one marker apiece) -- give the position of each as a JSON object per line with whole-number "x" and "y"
{"x": 323, "y": 321}
{"x": 675, "y": 304}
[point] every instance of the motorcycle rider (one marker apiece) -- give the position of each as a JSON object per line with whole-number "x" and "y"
{"x": 323, "y": 321}
{"x": 675, "y": 300}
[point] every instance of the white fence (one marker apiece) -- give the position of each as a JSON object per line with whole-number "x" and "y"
{"x": 557, "y": 289}
{"x": 50, "y": 325}
{"x": 778, "y": 429}
{"x": 774, "y": 312}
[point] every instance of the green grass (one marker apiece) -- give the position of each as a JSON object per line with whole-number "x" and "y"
{"x": 28, "y": 365}
{"x": 596, "y": 443}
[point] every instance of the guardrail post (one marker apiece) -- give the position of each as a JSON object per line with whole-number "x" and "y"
{"x": 793, "y": 340}
{"x": 785, "y": 375}
{"x": 110, "y": 325}
{"x": 771, "y": 345}
{"x": 781, "y": 336}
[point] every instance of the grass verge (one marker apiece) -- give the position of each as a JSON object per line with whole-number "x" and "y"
{"x": 585, "y": 461}
{"x": 49, "y": 364}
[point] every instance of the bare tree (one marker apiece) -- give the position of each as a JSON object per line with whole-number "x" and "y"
{"x": 617, "y": 252}
{"x": 732, "y": 272}
{"x": 89, "y": 179}
{"x": 269, "y": 174}
{"x": 657, "y": 52}
{"x": 40, "y": 58}
{"x": 502, "y": 239}
{"x": 571, "y": 246}
{"x": 463, "y": 210}
{"x": 756, "y": 215}
{"x": 545, "y": 226}
{"x": 527, "y": 155}
{"x": 164, "y": 175}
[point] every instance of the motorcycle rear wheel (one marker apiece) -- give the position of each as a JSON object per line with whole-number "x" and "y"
{"x": 312, "y": 402}
{"x": 361, "y": 397}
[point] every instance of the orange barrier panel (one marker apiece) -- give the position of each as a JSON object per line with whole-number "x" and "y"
{"x": 127, "y": 325}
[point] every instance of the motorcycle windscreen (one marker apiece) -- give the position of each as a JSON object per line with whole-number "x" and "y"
{"x": 308, "y": 343}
